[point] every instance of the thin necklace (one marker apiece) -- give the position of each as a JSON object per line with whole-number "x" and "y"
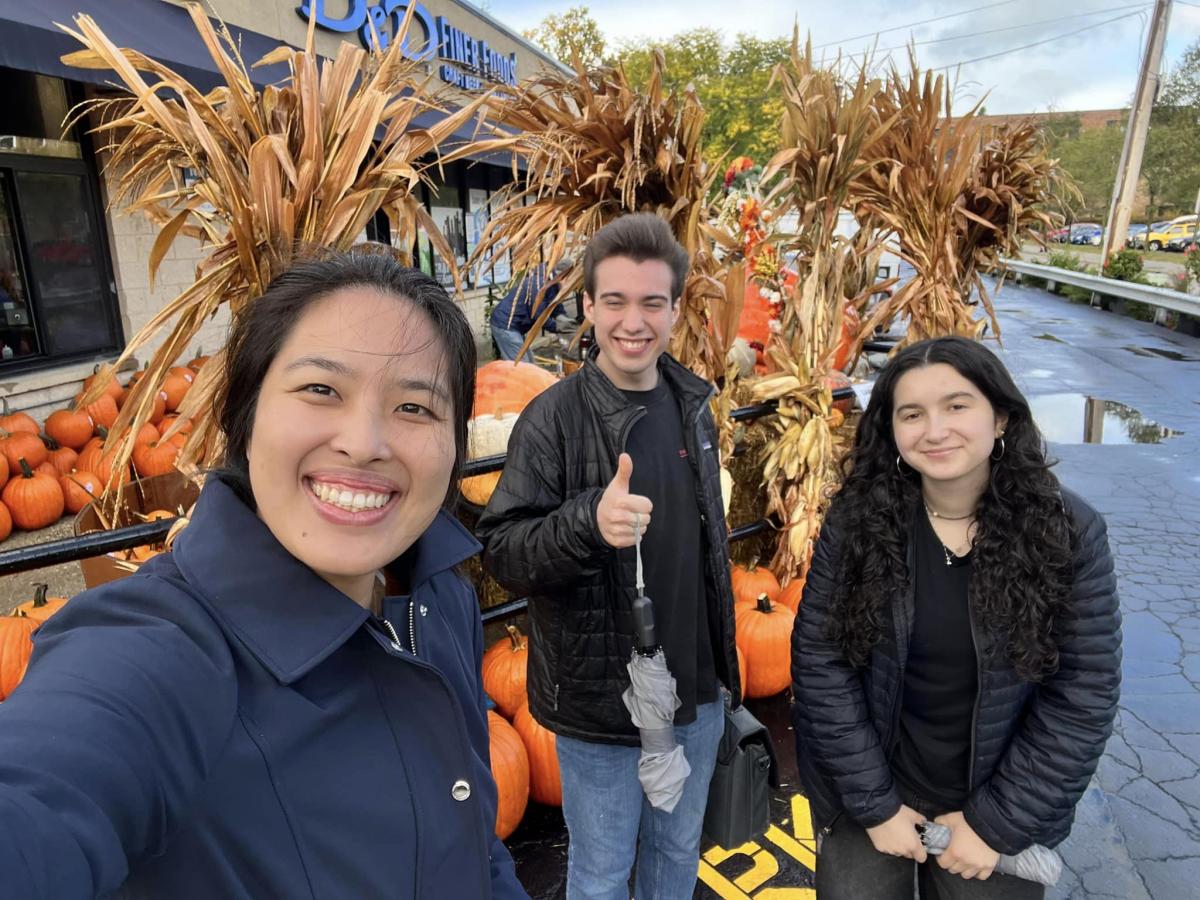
{"x": 937, "y": 515}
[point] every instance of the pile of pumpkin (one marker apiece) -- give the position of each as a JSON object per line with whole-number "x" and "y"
{"x": 60, "y": 466}
{"x": 524, "y": 756}
{"x": 764, "y": 613}
{"x": 16, "y": 636}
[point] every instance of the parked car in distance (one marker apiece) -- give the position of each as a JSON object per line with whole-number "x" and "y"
{"x": 1182, "y": 244}
{"x": 1058, "y": 235}
{"x": 1087, "y": 233}
{"x": 1158, "y": 239}
{"x": 1136, "y": 235}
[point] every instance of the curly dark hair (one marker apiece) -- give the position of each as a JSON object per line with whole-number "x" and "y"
{"x": 1021, "y": 574}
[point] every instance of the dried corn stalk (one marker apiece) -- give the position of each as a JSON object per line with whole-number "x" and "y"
{"x": 956, "y": 199}
{"x": 596, "y": 147}
{"x": 832, "y": 135}
{"x": 306, "y": 162}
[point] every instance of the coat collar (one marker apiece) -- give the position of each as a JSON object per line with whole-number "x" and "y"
{"x": 691, "y": 389}
{"x": 281, "y": 610}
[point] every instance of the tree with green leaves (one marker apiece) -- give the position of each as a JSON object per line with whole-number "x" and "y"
{"x": 573, "y": 35}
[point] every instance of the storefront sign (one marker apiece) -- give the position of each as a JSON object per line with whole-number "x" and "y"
{"x": 468, "y": 62}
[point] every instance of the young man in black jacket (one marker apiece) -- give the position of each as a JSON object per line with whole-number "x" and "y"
{"x": 628, "y": 439}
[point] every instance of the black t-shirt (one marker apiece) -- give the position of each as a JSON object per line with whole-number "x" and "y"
{"x": 673, "y": 546}
{"x": 940, "y": 682}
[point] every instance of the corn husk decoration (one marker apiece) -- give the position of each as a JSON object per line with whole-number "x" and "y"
{"x": 596, "y": 147}
{"x": 304, "y": 163}
{"x": 832, "y": 134}
{"x": 957, "y": 198}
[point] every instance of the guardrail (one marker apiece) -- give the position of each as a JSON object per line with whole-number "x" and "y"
{"x": 1164, "y": 298}
{"x": 97, "y": 543}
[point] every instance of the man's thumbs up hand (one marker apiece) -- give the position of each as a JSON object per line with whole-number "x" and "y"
{"x": 619, "y": 511}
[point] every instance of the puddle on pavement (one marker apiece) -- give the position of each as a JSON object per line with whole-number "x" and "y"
{"x": 1048, "y": 337}
{"x": 1159, "y": 353}
{"x": 1080, "y": 419}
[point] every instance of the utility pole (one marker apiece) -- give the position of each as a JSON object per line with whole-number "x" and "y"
{"x": 1136, "y": 129}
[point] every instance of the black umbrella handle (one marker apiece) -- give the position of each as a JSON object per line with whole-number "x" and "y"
{"x": 645, "y": 639}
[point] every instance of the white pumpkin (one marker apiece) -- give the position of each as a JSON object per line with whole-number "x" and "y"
{"x": 742, "y": 355}
{"x": 486, "y": 436}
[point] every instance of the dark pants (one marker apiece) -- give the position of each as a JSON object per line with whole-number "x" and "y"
{"x": 850, "y": 868}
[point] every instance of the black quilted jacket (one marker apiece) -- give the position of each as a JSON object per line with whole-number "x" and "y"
{"x": 541, "y": 541}
{"x": 1034, "y": 747}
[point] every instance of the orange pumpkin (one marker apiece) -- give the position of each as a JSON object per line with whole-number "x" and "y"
{"x": 791, "y": 595}
{"x": 3, "y": 470}
{"x": 79, "y": 489}
{"x": 5, "y": 522}
{"x": 764, "y": 634}
{"x": 35, "y": 500}
{"x": 176, "y": 385}
{"x": 154, "y": 458}
{"x": 41, "y": 607}
{"x": 545, "y": 782}
{"x": 510, "y": 771}
{"x": 834, "y": 381}
{"x": 93, "y": 458}
{"x": 179, "y": 438}
{"x": 741, "y": 658}
{"x": 17, "y": 421}
{"x": 751, "y": 581}
{"x": 47, "y": 468}
{"x": 70, "y": 428}
{"x": 504, "y": 667}
{"x": 17, "y": 445}
{"x": 103, "y": 411}
{"x": 112, "y": 387}
{"x": 16, "y": 646}
{"x": 146, "y": 434}
{"x": 197, "y": 363}
{"x": 506, "y": 387}
{"x": 63, "y": 459}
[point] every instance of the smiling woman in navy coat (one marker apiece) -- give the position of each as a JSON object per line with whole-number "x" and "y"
{"x": 253, "y": 715}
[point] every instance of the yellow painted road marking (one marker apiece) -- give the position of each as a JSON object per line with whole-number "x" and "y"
{"x": 752, "y": 883}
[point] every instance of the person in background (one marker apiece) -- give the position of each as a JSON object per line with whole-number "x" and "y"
{"x": 957, "y": 654}
{"x": 625, "y": 443}
{"x": 514, "y": 315}
{"x": 288, "y": 704}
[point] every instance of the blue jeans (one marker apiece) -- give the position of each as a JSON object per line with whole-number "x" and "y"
{"x": 610, "y": 821}
{"x": 508, "y": 342}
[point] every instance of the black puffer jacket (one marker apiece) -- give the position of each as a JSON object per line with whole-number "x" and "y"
{"x": 1034, "y": 747}
{"x": 541, "y": 541}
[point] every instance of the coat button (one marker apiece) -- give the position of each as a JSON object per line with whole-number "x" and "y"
{"x": 461, "y": 791}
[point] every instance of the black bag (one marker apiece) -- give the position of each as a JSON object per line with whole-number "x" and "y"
{"x": 739, "y": 797}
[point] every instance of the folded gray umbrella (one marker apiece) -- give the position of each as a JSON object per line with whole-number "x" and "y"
{"x": 652, "y": 701}
{"x": 1036, "y": 863}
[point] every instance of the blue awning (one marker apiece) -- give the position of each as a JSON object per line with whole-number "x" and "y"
{"x": 33, "y": 43}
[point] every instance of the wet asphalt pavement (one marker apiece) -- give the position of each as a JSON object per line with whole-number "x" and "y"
{"x": 1137, "y": 831}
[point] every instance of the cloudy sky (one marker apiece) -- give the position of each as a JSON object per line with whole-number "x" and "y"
{"x": 1095, "y": 68}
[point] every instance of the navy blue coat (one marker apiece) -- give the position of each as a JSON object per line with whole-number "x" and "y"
{"x": 226, "y": 724}
{"x": 515, "y": 310}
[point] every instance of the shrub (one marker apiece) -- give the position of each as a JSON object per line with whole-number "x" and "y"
{"x": 1124, "y": 265}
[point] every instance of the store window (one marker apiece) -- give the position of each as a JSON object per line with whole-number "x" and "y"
{"x": 57, "y": 299}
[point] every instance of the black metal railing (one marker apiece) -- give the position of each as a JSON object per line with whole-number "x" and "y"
{"x": 98, "y": 543}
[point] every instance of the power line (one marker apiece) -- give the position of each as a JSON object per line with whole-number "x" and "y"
{"x": 915, "y": 24}
{"x": 963, "y": 37}
{"x": 1049, "y": 40}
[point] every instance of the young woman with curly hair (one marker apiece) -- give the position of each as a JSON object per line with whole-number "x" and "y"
{"x": 957, "y": 653}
